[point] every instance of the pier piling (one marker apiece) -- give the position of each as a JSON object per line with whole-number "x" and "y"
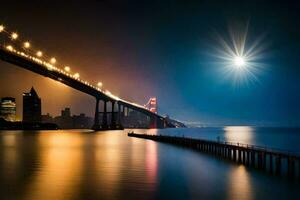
{"x": 248, "y": 155}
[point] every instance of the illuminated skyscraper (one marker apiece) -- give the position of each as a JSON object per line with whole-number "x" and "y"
{"x": 8, "y": 109}
{"x": 31, "y": 107}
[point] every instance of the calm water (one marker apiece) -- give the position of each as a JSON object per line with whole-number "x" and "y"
{"x": 109, "y": 165}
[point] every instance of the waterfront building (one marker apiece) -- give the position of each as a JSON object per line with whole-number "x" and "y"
{"x": 66, "y": 113}
{"x": 66, "y": 121}
{"x": 8, "y": 109}
{"x": 82, "y": 121}
{"x": 47, "y": 118}
{"x": 31, "y": 107}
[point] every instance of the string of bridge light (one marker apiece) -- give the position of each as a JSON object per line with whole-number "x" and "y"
{"x": 14, "y": 36}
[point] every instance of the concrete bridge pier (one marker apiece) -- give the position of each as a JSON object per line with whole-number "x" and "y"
{"x": 234, "y": 155}
{"x": 96, "y": 125}
{"x": 299, "y": 170}
{"x": 120, "y": 126}
{"x": 156, "y": 122}
{"x": 244, "y": 157}
{"x": 264, "y": 161}
{"x": 153, "y": 123}
{"x": 253, "y": 159}
{"x": 291, "y": 167}
{"x": 278, "y": 165}
{"x": 229, "y": 153}
{"x": 248, "y": 158}
{"x": 259, "y": 160}
{"x": 239, "y": 156}
{"x": 104, "y": 116}
{"x": 271, "y": 164}
{"x": 113, "y": 124}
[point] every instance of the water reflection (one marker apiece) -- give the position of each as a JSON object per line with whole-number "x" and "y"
{"x": 151, "y": 161}
{"x": 9, "y": 140}
{"x": 239, "y": 184}
{"x": 10, "y": 155}
{"x": 58, "y": 173}
{"x": 241, "y": 134}
{"x": 109, "y": 165}
{"x": 151, "y": 155}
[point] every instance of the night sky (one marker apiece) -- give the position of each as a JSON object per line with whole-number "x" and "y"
{"x": 140, "y": 49}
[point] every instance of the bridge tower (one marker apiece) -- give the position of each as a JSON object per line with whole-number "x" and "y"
{"x": 151, "y": 105}
{"x": 155, "y": 122}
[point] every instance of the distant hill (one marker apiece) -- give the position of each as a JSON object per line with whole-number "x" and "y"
{"x": 172, "y": 123}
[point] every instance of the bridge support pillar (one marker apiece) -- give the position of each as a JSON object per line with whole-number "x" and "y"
{"x": 278, "y": 165}
{"x": 239, "y": 155}
{"x": 120, "y": 126}
{"x": 291, "y": 167}
{"x": 104, "y": 117}
{"x": 153, "y": 123}
{"x": 161, "y": 123}
{"x": 253, "y": 158}
{"x": 96, "y": 125}
{"x": 113, "y": 118}
{"x": 234, "y": 154}
{"x": 271, "y": 163}
{"x": 122, "y": 115}
{"x": 156, "y": 122}
{"x": 248, "y": 158}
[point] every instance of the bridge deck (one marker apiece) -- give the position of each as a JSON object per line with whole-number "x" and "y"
{"x": 43, "y": 68}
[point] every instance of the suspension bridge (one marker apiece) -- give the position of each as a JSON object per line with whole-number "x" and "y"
{"x": 21, "y": 53}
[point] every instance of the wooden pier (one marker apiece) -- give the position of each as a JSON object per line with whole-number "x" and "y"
{"x": 273, "y": 161}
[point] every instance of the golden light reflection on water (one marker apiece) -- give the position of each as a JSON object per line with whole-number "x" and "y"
{"x": 9, "y": 140}
{"x": 136, "y": 148}
{"x": 60, "y": 167}
{"x": 10, "y": 154}
{"x": 108, "y": 163}
{"x": 241, "y": 134}
{"x": 151, "y": 154}
{"x": 239, "y": 184}
{"x": 151, "y": 161}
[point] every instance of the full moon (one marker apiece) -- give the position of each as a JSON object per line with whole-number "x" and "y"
{"x": 239, "y": 61}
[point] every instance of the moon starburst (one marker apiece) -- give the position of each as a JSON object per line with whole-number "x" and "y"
{"x": 239, "y": 57}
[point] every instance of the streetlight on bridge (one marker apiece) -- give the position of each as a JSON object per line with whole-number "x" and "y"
{"x": 53, "y": 60}
{"x": 39, "y": 54}
{"x": 9, "y": 47}
{"x": 1, "y": 28}
{"x": 67, "y": 68}
{"x": 76, "y": 75}
{"x": 99, "y": 84}
{"x": 14, "y": 36}
{"x": 26, "y": 45}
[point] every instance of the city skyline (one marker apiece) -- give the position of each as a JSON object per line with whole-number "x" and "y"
{"x": 19, "y": 107}
{"x": 122, "y": 56}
